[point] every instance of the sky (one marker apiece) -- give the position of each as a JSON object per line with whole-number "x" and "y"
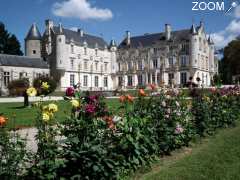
{"x": 112, "y": 18}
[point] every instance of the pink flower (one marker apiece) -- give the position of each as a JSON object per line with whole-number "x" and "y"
{"x": 70, "y": 91}
{"x": 90, "y": 108}
{"x": 179, "y": 129}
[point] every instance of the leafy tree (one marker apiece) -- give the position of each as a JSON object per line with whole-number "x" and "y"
{"x": 230, "y": 64}
{"x": 9, "y": 44}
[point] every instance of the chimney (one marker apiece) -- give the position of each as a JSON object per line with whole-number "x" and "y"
{"x": 128, "y": 38}
{"x": 80, "y": 32}
{"x": 168, "y": 30}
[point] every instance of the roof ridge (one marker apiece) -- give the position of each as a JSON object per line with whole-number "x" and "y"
{"x": 18, "y": 56}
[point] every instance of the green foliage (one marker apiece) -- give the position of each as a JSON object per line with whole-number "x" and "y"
{"x": 37, "y": 83}
{"x": 12, "y": 154}
{"x": 9, "y": 44}
{"x": 18, "y": 87}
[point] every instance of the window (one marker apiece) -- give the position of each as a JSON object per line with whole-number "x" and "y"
{"x": 170, "y": 61}
{"x": 153, "y": 78}
{"x": 140, "y": 80}
{"x": 21, "y": 75}
{"x": 183, "y": 60}
{"x": 72, "y": 63}
{"x": 96, "y": 52}
{"x": 72, "y": 48}
{"x": 130, "y": 82}
{"x": 80, "y": 66}
{"x": 105, "y": 81}
{"x": 170, "y": 78}
{"x": 129, "y": 65}
{"x": 183, "y": 78}
{"x": 79, "y": 56}
{"x": 120, "y": 81}
{"x": 105, "y": 66}
{"x": 34, "y": 51}
{"x": 96, "y": 66}
{"x": 155, "y": 63}
{"x": 96, "y": 81}
{"x": 119, "y": 66}
{"x": 72, "y": 78}
{"x": 158, "y": 78}
{"x": 85, "y": 51}
{"x": 85, "y": 80}
{"x": 140, "y": 65}
{"x": 85, "y": 65}
{"x": 149, "y": 78}
{"x": 6, "y": 78}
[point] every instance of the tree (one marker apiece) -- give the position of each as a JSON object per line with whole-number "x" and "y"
{"x": 9, "y": 44}
{"x": 230, "y": 64}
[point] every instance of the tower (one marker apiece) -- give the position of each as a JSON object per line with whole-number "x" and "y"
{"x": 33, "y": 42}
{"x": 211, "y": 54}
{"x": 61, "y": 53}
{"x": 193, "y": 46}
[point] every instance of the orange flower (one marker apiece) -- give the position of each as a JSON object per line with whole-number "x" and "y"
{"x": 142, "y": 92}
{"x": 129, "y": 98}
{"x": 122, "y": 99}
{"x": 152, "y": 86}
{"x": 2, "y": 120}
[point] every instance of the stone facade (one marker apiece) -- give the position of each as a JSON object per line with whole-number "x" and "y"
{"x": 169, "y": 58}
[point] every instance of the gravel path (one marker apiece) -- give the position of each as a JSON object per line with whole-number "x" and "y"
{"x": 29, "y": 134}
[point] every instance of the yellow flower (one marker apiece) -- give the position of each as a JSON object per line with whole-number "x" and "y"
{"x": 75, "y": 103}
{"x": 45, "y": 85}
{"x": 53, "y": 107}
{"x": 45, "y": 117}
{"x": 31, "y": 91}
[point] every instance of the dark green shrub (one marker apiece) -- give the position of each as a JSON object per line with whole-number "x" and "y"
{"x": 37, "y": 83}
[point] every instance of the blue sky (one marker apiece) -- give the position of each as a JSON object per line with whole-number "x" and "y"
{"x": 112, "y": 18}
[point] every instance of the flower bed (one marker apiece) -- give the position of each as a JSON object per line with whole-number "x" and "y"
{"x": 101, "y": 144}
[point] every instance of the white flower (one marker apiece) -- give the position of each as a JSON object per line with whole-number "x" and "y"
{"x": 177, "y": 104}
{"x": 116, "y": 119}
{"x": 164, "y": 104}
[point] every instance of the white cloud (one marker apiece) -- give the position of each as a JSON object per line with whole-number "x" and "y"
{"x": 222, "y": 38}
{"x": 74, "y": 28}
{"x": 81, "y": 9}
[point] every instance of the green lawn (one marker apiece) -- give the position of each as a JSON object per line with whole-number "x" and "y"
{"x": 25, "y": 117}
{"x": 216, "y": 158}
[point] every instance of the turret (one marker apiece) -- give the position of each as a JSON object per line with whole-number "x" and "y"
{"x": 193, "y": 46}
{"x": 113, "y": 49}
{"x": 33, "y": 42}
{"x": 211, "y": 54}
{"x": 61, "y": 51}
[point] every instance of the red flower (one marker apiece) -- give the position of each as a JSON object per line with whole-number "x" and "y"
{"x": 122, "y": 99}
{"x": 70, "y": 92}
{"x": 129, "y": 98}
{"x": 90, "y": 108}
{"x": 142, "y": 92}
{"x": 152, "y": 86}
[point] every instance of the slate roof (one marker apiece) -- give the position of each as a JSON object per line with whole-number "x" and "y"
{"x": 33, "y": 33}
{"x": 150, "y": 39}
{"x": 75, "y": 36}
{"x": 22, "y": 61}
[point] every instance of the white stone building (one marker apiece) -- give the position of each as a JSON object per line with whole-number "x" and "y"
{"x": 170, "y": 57}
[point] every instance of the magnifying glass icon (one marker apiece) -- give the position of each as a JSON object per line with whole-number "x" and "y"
{"x": 233, "y": 5}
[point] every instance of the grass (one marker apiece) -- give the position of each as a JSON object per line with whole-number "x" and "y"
{"x": 20, "y": 116}
{"x": 215, "y": 158}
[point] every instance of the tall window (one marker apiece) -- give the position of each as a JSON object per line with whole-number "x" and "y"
{"x": 183, "y": 60}
{"x": 170, "y": 61}
{"x": 120, "y": 81}
{"x": 129, "y": 65}
{"x": 130, "y": 82}
{"x": 72, "y": 48}
{"x": 85, "y": 65}
{"x": 105, "y": 66}
{"x": 183, "y": 78}
{"x": 153, "y": 78}
{"x": 6, "y": 78}
{"x": 85, "y": 51}
{"x": 96, "y": 52}
{"x": 85, "y": 80}
{"x": 170, "y": 78}
{"x": 96, "y": 81}
{"x": 140, "y": 65}
{"x": 155, "y": 63}
{"x": 140, "y": 80}
{"x": 119, "y": 66}
{"x": 105, "y": 81}
{"x": 72, "y": 63}
{"x": 72, "y": 78}
{"x": 96, "y": 66}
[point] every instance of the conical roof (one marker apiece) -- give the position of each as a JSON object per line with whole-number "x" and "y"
{"x": 112, "y": 43}
{"x": 193, "y": 29}
{"x": 33, "y": 33}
